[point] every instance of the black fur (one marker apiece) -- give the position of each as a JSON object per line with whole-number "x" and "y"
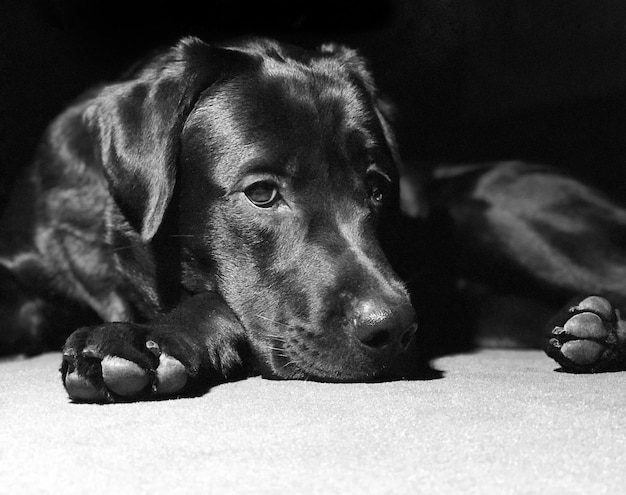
{"x": 138, "y": 213}
{"x": 137, "y": 222}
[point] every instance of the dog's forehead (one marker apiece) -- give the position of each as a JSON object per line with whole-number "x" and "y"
{"x": 291, "y": 116}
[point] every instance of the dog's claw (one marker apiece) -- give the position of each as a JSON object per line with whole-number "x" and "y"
{"x": 69, "y": 356}
{"x": 91, "y": 352}
{"x": 153, "y": 347}
{"x": 555, "y": 342}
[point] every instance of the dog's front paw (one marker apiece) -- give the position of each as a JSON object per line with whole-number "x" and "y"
{"x": 123, "y": 361}
{"x": 591, "y": 338}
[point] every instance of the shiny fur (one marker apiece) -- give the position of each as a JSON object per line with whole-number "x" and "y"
{"x": 139, "y": 208}
{"x": 236, "y": 209}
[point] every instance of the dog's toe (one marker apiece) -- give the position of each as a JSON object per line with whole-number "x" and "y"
{"x": 123, "y": 377}
{"x": 80, "y": 388}
{"x": 171, "y": 375}
{"x": 597, "y": 305}
{"x": 582, "y": 352}
{"x": 585, "y": 326}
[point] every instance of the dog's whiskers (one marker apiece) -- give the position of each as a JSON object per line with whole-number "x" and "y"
{"x": 291, "y": 362}
{"x": 137, "y": 244}
{"x": 122, "y": 248}
{"x": 272, "y": 321}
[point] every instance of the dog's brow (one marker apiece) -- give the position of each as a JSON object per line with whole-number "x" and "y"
{"x": 285, "y": 172}
{"x": 378, "y": 170}
{"x": 273, "y": 167}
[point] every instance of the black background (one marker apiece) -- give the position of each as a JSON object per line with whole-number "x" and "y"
{"x": 473, "y": 79}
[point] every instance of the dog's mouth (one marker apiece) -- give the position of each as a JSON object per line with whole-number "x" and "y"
{"x": 288, "y": 367}
{"x": 286, "y": 363}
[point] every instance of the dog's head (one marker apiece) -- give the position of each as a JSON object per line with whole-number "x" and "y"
{"x": 285, "y": 171}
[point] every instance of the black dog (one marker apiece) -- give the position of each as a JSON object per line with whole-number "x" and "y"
{"x": 225, "y": 210}
{"x": 229, "y": 196}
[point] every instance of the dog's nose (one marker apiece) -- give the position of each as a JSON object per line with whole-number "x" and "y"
{"x": 379, "y": 326}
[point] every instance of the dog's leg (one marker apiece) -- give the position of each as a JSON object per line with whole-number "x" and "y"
{"x": 198, "y": 343}
{"x": 30, "y": 324}
{"x": 21, "y": 316}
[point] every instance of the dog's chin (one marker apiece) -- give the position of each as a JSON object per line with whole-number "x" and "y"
{"x": 280, "y": 365}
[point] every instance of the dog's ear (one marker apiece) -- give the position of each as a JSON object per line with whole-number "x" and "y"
{"x": 357, "y": 65}
{"x": 137, "y": 124}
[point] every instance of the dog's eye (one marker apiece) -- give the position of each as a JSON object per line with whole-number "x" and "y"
{"x": 378, "y": 187}
{"x": 377, "y": 194}
{"x": 262, "y": 194}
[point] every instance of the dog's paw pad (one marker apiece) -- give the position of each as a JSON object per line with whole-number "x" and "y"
{"x": 171, "y": 375}
{"x": 81, "y": 389}
{"x": 584, "y": 326}
{"x": 582, "y": 352}
{"x": 123, "y": 377}
{"x": 597, "y": 305}
{"x": 591, "y": 339}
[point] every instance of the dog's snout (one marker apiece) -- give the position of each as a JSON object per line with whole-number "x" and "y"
{"x": 381, "y": 326}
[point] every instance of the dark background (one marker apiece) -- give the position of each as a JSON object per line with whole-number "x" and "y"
{"x": 473, "y": 79}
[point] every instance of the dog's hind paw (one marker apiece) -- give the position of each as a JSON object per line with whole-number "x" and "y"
{"x": 589, "y": 338}
{"x": 116, "y": 362}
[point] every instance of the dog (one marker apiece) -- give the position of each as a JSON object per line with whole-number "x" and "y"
{"x": 236, "y": 209}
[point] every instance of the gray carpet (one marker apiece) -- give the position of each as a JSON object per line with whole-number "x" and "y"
{"x": 497, "y": 422}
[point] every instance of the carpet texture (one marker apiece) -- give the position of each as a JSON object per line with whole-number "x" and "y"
{"x": 496, "y": 422}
